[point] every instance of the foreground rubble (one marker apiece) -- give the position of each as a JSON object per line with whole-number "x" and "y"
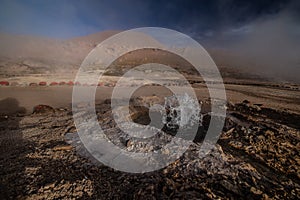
{"x": 257, "y": 157}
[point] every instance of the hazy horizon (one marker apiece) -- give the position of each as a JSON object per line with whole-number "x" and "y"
{"x": 263, "y": 34}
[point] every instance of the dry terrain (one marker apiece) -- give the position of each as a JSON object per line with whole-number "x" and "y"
{"x": 42, "y": 157}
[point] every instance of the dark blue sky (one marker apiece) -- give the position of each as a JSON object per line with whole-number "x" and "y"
{"x": 206, "y": 18}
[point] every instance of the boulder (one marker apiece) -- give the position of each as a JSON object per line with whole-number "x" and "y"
{"x": 246, "y": 101}
{"x": 43, "y": 109}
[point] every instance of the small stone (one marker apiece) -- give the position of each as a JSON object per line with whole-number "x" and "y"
{"x": 63, "y": 148}
{"x": 126, "y": 142}
{"x": 257, "y": 108}
{"x": 166, "y": 151}
{"x": 255, "y": 191}
{"x": 246, "y": 101}
{"x": 49, "y": 186}
{"x": 261, "y": 138}
{"x": 265, "y": 197}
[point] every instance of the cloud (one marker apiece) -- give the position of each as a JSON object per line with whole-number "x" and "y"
{"x": 64, "y": 18}
{"x": 270, "y": 46}
{"x": 58, "y": 19}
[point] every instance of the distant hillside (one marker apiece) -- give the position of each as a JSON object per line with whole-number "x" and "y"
{"x": 22, "y": 55}
{"x": 28, "y": 54}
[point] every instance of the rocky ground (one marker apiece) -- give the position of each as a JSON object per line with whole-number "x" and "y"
{"x": 256, "y": 157}
{"x": 41, "y": 156}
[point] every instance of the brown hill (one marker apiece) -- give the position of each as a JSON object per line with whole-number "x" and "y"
{"x": 23, "y": 54}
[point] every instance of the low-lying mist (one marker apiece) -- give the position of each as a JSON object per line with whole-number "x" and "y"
{"x": 269, "y": 46}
